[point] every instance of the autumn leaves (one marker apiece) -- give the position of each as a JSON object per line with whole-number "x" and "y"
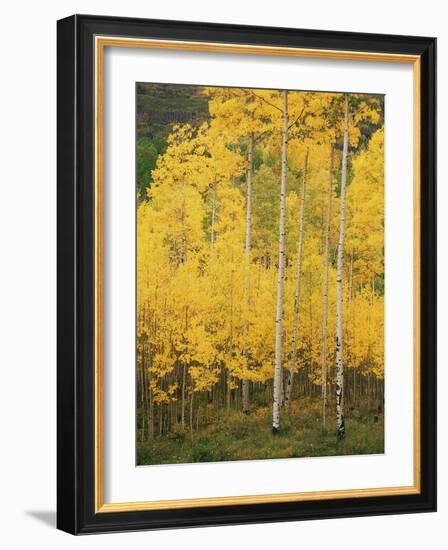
{"x": 242, "y": 286}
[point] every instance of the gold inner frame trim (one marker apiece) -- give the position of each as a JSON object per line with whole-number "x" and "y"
{"x": 101, "y": 42}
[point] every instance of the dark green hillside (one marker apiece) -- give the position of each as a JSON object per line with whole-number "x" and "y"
{"x": 159, "y": 107}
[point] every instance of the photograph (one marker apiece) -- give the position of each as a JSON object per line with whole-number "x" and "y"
{"x": 260, "y": 273}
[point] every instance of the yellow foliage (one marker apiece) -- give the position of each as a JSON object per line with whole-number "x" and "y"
{"x": 203, "y": 309}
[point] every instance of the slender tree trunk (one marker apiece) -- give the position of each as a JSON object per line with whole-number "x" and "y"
{"x": 245, "y": 395}
{"x": 213, "y": 220}
{"x": 368, "y": 393}
{"x": 184, "y": 373}
{"x": 141, "y": 382}
{"x": 142, "y": 435}
{"x": 321, "y": 240}
{"x": 191, "y": 413}
{"x": 290, "y": 377}
{"x": 229, "y": 377}
{"x": 161, "y": 419}
{"x": 250, "y": 162}
{"x": 151, "y": 408}
{"x": 281, "y": 277}
{"x": 339, "y": 361}
{"x": 350, "y": 281}
{"x": 325, "y": 307}
{"x": 147, "y": 392}
{"x": 150, "y": 417}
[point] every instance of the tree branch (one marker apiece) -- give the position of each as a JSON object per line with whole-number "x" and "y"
{"x": 297, "y": 119}
{"x": 261, "y": 136}
{"x": 266, "y": 101}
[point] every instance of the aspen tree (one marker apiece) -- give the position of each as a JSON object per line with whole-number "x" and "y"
{"x": 290, "y": 379}
{"x": 280, "y": 277}
{"x": 240, "y": 115}
{"x": 325, "y": 290}
{"x": 250, "y": 162}
{"x": 339, "y": 332}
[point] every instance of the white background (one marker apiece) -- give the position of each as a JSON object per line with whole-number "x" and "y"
{"x": 27, "y": 289}
{"x": 123, "y": 481}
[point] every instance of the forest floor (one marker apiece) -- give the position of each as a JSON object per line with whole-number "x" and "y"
{"x": 236, "y": 436}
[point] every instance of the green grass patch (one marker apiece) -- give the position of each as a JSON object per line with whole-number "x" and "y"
{"x": 236, "y": 436}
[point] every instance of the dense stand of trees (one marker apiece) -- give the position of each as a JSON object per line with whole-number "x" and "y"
{"x": 260, "y": 273}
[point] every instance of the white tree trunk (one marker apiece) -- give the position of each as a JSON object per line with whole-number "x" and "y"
{"x": 213, "y": 220}
{"x": 295, "y": 325}
{"x": 229, "y": 376}
{"x": 183, "y": 395}
{"x": 325, "y": 308}
{"x": 281, "y": 277}
{"x": 250, "y": 162}
{"x": 339, "y": 362}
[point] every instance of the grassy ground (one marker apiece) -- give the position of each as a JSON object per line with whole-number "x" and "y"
{"x": 235, "y": 436}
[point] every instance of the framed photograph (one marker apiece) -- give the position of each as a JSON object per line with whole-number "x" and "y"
{"x": 246, "y": 274}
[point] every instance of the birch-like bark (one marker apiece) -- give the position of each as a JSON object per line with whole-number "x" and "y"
{"x": 350, "y": 280}
{"x": 184, "y": 376}
{"x": 281, "y": 277}
{"x": 151, "y": 409}
{"x": 339, "y": 362}
{"x": 191, "y": 413}
{"x": 325, "y": 307}
{"x": 295, "y": 325}
{"x": 250, "y": 162}
{"x": 229, "y": 377}
{"x": 184, "y": 372}
{"x": 147, "y": 407}
{"x": 213, "y": 220}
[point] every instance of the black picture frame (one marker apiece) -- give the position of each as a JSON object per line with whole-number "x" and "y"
{"x": 76, "y": 271}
